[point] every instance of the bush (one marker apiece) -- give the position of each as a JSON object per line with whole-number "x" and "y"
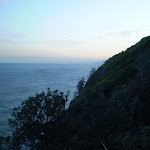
{"x": 34, "y": 119}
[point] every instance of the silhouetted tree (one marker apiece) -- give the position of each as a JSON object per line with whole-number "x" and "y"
{"x": 80, "y": 85}
{"x": 92, "y": 72}
{"x": 33, "y": 120}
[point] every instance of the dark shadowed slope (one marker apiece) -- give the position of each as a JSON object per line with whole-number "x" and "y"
{"x": 110, "y": 110}
{"x": 114, "y": 105}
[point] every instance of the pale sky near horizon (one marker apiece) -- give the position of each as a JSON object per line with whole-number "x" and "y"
{"x": 70, "y": 30}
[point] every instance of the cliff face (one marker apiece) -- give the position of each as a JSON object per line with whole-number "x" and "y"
{"x": 114, "y": 105}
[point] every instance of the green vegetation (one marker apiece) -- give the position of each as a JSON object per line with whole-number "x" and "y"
{"x": 111, "y": 109}
{"x": 36, "y": 120}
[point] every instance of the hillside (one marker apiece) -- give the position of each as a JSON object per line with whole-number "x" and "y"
{"x": 114, "y": 105}
{"x": 111, "y": 110}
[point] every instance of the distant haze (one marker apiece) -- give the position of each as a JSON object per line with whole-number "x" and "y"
{"x": 46, "y": 60}
{"x": 70, "y": 30}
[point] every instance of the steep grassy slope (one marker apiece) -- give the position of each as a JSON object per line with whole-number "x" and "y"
{"x": 112, "y": 108}
{"x": 114, "y": 105}
{"x": 122, "y": 66}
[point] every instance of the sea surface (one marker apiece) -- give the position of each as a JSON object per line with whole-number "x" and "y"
{"x": 20, "y": 81}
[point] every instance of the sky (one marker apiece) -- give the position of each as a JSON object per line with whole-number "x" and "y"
{"x": 43, "y": 31}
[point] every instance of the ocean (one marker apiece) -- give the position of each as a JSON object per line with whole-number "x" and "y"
{"x": 20, "y": 81}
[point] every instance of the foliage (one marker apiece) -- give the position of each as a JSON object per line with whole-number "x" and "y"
{"x": 34, "y": 119}
{"x": 5, "y": 143}
{"x": 112, "y": 106}
{"x": 93, "y": 70}
{"x": 80, "y": 86}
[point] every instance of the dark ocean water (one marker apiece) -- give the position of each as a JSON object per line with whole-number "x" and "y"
{"x": 19, "y": 81}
